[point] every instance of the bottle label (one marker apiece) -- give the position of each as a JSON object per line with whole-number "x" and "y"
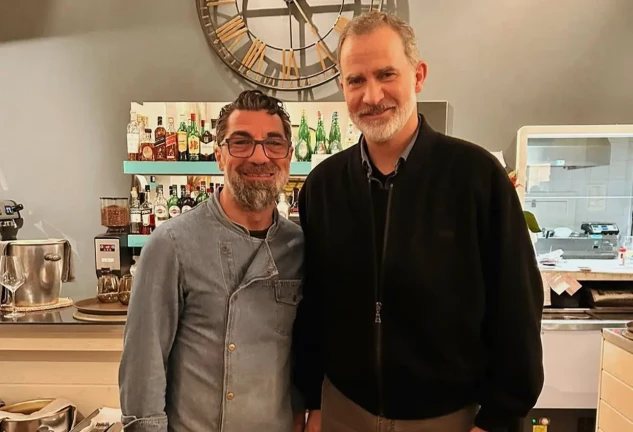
{"x": 135, "y": 217}
{"x": 133, "y": 142}
{"x": 182, "y": 142}
{"x": 206, "y": 146}
{"x": 146, "y": 218}
{"x": 185, "y": 208}
{"x": 171, "y": 145}
{"x": 335, "y": 146}
{"x": 147, "y": 152}
{"x": 320, "y": 147}
{"x": 302, "y": 150}
{"x": 160, "y": 211}
{"x": 193, "y": 143}
{"x": 174, "y": 211}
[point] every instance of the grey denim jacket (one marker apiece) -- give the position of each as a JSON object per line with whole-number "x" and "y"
{"x": 208, "y": 335}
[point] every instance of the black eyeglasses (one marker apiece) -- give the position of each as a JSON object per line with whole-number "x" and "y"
{"x": 241, "y": 147}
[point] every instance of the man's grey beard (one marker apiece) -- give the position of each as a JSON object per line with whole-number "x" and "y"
{"x": 383, "y": 130}
{"x": 256, "y": 195}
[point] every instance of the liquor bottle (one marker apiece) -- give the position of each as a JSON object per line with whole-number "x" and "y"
{"x": 160, "y": 141}
{"x": 193, "y": 140}
{"x": 172, "y": 204}
{"x": 183, "y": 154}
{"x": 206, "y": 143}
{"x": 187, "y": 202}
{"x": 303, "y": 149}
{"x": 294, "y": 208}
{"x": 140, "y": 120}
{"x": 335, "y": 144}
{"x": 146, "y": 213}
{"x": 202, "y": 196}
{"x": 133, "y": 138}
{"x": 136, "y": 222}
{"x": 150, "y": 202}
{"x": 214, "y": 123}
{"x": 147, "y": 146}
{"x": 319, "y": 142}
{"x": 160, "y": 207}
{"x": 282, "y": 206}
{"x": 171, "y": 141}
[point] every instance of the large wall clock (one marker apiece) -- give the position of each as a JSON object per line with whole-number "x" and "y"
{"x": 280, "y": 44}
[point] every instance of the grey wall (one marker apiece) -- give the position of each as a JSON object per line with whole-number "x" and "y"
{"x": 69, "y": 69}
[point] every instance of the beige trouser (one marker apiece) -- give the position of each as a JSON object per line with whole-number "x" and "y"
{"x": 339, "y": 414}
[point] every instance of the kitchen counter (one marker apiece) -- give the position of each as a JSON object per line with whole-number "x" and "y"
{"x": 591, "y": 269}
{"x": 50, "y": 354}
{"x": 614, "y": 336}
{"x": 63, "y": 316}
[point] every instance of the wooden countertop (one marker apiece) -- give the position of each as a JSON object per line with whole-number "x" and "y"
{"x": 615, "y": 337}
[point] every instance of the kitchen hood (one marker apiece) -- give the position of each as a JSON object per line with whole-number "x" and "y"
{"x": 570, "y": 153}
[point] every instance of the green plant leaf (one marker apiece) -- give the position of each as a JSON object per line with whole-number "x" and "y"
{"x": 531, "y": 222}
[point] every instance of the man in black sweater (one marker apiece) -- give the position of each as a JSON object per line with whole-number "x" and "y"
{"x": 423, "y": 299}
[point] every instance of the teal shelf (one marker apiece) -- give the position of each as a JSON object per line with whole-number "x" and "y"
{"x": 136, "y": 240}
{"x": 195, "y": 168}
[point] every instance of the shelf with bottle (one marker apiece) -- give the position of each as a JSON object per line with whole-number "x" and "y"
{"x": 297, "y": 169}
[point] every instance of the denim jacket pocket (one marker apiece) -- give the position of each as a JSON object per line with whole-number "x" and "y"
{"x": 288, "y": 294}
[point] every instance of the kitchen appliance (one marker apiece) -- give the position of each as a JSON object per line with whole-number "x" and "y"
{"x": 10, "y": 220}
{"x": 597, "y": 240}
{"x": 112, "y": 254}
{"x": 60, "y": 421}
{"x": 43, "y": 262}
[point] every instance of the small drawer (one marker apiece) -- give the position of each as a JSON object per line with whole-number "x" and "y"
{"x": 612, "y": 421}
{"x": 618, "y": 363}
{"x": 617, "y": 394}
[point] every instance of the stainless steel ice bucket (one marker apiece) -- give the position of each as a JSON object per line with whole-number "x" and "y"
{"x": 43, "y": 262}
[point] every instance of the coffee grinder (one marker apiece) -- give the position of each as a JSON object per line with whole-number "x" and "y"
{"x": 10, "y": 223}
{"x": 112, "y": 254}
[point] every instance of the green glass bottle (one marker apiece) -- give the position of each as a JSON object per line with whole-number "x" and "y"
{"x": 172, "y": 203}
{"x": 202, "y": 195}
{"x": 303, "y": 151}
{"x": 193, "y": 140}
{"x": 335, "y": 144}
{"x": 319, "y": 142}
{"x": 182, "y": 133}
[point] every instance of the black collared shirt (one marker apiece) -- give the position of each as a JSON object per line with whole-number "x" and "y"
{"x": 380, "y": 191}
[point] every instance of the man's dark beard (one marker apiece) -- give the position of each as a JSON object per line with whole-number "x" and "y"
{"x": 256, "y": 195}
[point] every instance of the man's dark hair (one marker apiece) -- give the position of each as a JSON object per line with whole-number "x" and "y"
{"x": 253, "y": 100}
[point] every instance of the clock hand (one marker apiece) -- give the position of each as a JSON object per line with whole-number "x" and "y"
{"x": 305, "y": 17}
{"x": 315, "y": 31}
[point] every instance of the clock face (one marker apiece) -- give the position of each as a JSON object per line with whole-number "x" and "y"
{"x": 280, "y": 44}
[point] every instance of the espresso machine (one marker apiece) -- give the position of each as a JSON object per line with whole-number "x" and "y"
{"x": 10, "y": 223}
{"x": 10, "y": 220}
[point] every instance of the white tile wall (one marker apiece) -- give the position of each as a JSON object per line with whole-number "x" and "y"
{"x": 572, "y": 187}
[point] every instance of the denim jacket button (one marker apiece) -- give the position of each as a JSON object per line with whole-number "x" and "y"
{"x": 230, "y": 396}
{"x": 231, "y": 347}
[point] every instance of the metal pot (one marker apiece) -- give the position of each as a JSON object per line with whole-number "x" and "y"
{"x": 61, "y": 421}
{"x": 43, "y": 262}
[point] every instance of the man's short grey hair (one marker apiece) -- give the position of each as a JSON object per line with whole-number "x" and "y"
{"x": 370, "y": 21}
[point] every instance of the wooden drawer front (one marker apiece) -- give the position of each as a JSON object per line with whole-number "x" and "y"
{"x": 618, "y": 363}
{"x": 617, "y": 394}
{"x": 612, "y": 421}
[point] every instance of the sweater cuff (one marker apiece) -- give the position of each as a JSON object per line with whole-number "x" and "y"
{"x": 492, "y": 420}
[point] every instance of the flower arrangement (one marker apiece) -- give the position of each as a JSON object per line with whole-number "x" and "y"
{"x": 530, "y": 219}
